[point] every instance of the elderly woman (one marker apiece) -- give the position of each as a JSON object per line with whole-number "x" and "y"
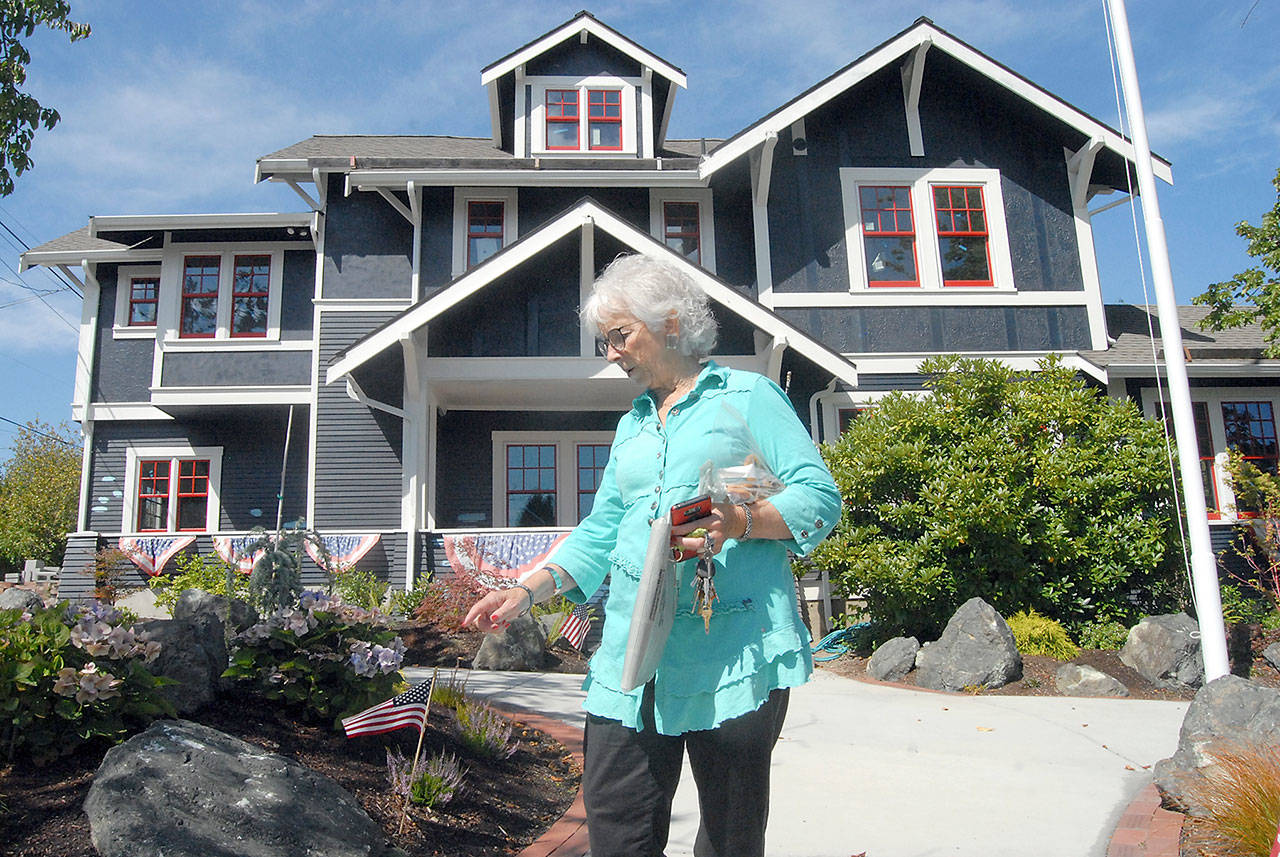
{"x": 721, "y": 690}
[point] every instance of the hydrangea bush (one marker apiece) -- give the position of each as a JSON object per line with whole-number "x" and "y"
{"x": 69, "y": 676}
{"x": 329, "y": 658}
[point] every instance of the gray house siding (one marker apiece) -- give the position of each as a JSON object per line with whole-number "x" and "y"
{"x": 734, "y": 227}
{"x": 572, "y": 58}
{"x": 435, "y": 262}
{"x": 121, "y": 367}
{"x": 236, "y": 369}
{"x": 297, "y": 290}
{"x": 368, "y": 247}
{"x": 539, "y": 204}
{"x": 358, "y": 450}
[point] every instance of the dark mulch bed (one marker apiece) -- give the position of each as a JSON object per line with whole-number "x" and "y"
{"x": 503, "y": 807}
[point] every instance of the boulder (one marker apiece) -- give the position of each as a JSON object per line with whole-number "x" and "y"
{"x": 1230, "y": 710}
{"x": 522, "y": 646}
{"x": 180, "y": 789}
{"x": 209, "y": 614}
{"x": 894, "y": 659}
{"x": 1271, "y": 654}
{"x": 975, "y": 650}
{"x": 1083, "y": 680}
{"x": 1165, "y": 650}
{"x": 193, "y": 655}
{"x": 16, "y": 598}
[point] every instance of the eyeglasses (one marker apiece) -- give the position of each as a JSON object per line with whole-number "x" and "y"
{"x": 616, "y": 338}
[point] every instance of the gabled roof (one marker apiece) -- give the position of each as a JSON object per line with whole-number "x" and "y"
{"x": 583, "y": 212}
{"x": 582, "y": 22}
{"x": 922, "y": 32}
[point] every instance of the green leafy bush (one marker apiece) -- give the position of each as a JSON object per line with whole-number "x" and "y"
{"x": 71, "y": 676}
{"x": 1037, "y": 635}
{"x": 1029, "y": 489}
{"x": 1102, "y": 634}
{"x": 361, "y": 588}
{"x": 485, "y": 732}
{"x": 196, "y": 571}
{"x": 405, "y": 603}
{"x": 328, "y": 658}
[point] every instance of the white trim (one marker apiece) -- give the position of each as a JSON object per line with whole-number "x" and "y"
{"x": 580, "y": 24}
{"x": 951, "y": 296}
{"x": 629, "y": 87}
{"x": 510, "y": 199}
{"x": 86, "y": 344}
{"x": 928, "y": 260}
{"x": 125, "y": 275}
{"x": 169, "y": 310}
{"x": 78, "y": 258}
{"x": 258, "y": 220}
{"x": 894, "y": 49}
{"x": 706, "y": 219}
{"x": 912, "y": 78}
{"x": 361, "y": 304}
{"x": 137, "y": 451}
{"x": 566, "y": 469}
{"x": 247, "y": 343}
{"x": 1079, "y": 169}
{"x": 761, "y": 165}
{"x": 366, "y": 179}
{"x": 129, "y": 411}
{"x": 86, "y": 458}
{"x": 1240, "y": 369}
{"x": 277, "y": 395}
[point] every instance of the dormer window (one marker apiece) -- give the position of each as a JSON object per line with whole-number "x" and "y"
{"x": 595, "y": 114}
{"x": 562, "y": 119}
{"x": 604, "y": 119}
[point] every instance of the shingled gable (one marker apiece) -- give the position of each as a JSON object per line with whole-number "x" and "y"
{"x": 911, "y": 47}
{"x": 585, "y": 212}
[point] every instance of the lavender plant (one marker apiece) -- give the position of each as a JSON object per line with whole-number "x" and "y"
{"x": 485, "y": 732}
{"x": 433, "y": 784}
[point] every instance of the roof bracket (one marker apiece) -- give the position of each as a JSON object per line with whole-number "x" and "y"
{"x": 355, "y": 392}
{"x": 912, "y": 77}
{"x": 1080, "y": 169}
{"x": 306, "y": 197}
{"x": 396, "y": 204}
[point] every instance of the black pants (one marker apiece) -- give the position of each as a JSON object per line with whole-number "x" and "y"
{"x": 630, "y": 779}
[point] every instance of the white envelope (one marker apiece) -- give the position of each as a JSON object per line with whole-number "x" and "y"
{"x": 655, "y": 608}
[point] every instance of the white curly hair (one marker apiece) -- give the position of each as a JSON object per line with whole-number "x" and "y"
{"x": 653, "y": 290}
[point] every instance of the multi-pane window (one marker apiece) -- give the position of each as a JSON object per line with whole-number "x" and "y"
{"x": 962, "y": 235}
{"x": 592, "y": 458}
{"x": 143, "y": 293}
{"x": 1204, "y": 447}
{"x": 604, "y": 119}
{"x": 680, "y": 229}
{"x": 173, "y": 494}
{"x": 889, "y": 236}
{"x": 250, "y": 292}
{"x": 531, "y": 485}
{"x": 200, "y": 276}
{"x": 1250, "y": 429}
{"x": 484, "y": 230}
{"x": 562, "y": 119}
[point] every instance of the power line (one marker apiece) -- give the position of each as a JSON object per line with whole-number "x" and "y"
{"x": 57, "y": 276}
{"x": 37, "y": 431}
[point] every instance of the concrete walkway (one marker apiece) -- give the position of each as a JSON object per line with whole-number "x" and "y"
{"x": 897, "y": 772}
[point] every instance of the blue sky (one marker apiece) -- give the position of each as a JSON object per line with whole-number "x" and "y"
{"x": 167, "y": 105}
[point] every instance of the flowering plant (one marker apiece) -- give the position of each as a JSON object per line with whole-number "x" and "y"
{"x": 73, "y": 675}
{"x": 328, "y": 657}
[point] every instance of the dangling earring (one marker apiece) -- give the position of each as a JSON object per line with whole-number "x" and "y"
{"x": 673, "y": 341}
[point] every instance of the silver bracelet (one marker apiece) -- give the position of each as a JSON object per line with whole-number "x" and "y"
{"x": 746, "y": 510}
{"x": 531, "y": 599}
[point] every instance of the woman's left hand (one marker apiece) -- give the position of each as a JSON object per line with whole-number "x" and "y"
{"x": 725, "y": 522}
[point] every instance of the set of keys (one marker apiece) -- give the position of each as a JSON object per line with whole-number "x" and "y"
{"x": 705, "y": 589}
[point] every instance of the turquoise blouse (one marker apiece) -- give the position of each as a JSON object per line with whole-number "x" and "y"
{"x": 757, "y": 641}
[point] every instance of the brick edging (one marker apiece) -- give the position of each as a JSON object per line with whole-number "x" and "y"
{"x": 1146, "y": 829}
{"x": 568, "y": 836}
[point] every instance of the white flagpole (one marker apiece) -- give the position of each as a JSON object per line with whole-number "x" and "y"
{"x": 1204, "y": 566}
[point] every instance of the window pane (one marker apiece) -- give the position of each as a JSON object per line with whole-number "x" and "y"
{"x": 562, "y": 135}
{"x": 1250, "y": 428}
{"x": 606, "y": 135}
{"x": 531, "y": 484}
{"x": 142, "y": 300}
{"x": 962, "y": 235}
{"x": 249, "y": 316}
{"x": 888, "y": 236}
{"x": 192, "y": 512}
{"x": 531, "y": 510}
{"x": 681, "y": 229}
{"x": 153, "y": 495}
{"x": 592, "y": 458}
{"x": 142, "y": 314}
{"x": 250, "y": 287}
{"x": 965, "y": 259}
{"x": 200, "y": 316}
{"x": 891, "y": 260}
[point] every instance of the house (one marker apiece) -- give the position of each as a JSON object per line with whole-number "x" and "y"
{"x": 400, "y": 365}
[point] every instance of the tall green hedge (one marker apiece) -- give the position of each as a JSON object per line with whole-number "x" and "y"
{"x": 1029, "y": 489}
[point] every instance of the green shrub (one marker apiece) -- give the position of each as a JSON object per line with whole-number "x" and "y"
{"x": 196, "y": 571}
{"x": 325, "y": 657}
{"x": 1028, "y": 489}
{"x": 1103, "y": 634}
{"x": 405, "y": 603}
{"x": 1241, "y": 605}
{"x": 362, "y": 588}
{"x": 71, "y": 676}
{"x": 1037, "y": 635}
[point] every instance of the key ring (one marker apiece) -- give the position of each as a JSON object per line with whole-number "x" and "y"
{"x": 709, "y": 547}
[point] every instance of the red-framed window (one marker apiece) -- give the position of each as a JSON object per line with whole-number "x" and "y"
{"x": 1204, "y": 447}
{"x": 846, "y": 417}
{"x": 153, "y": 496}
{"x": 531, "y": 485}
{"x": 192, "y": 495}
{"x": 681, "y": 229}
{"x": 1250, "y": 429}
{"x": 484, "y": 230}
{"x": 562, "y": 119}
{"x": 888, "y": 236}
{"x": 200, "y": 276}
{"x": 592, "y": 458}
{"x": 250, "y": 294}
{"x": 143, "y": 293}
{"x": 604, "y": 120}
{"x": 963, "y": 239}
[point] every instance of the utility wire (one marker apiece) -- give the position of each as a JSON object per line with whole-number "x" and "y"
{"x": 37, "y": 431}
{"x": 57, "y": 276}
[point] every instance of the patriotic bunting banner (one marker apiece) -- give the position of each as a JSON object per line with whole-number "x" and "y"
{"x": 232, "y": 551}
{"x": 575, "y": 626}
{"x": 150, "y": 553}
{"x": 497, "y": 559}
{"x": 344, "y": 550}
{"x": 408, "y": 709}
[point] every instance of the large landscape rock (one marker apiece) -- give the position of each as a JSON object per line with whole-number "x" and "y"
{"x": 1165, "y": 650}
{"x": 16, "y": 598}
{"x": 893, "y": 660}
{"x": 192, "y": 655}
{"x": 522, "y": 646}
{"x": 975, "y": 650}
{"x": 1271, "y": 654}
{"x": 180, "y": 789}
{"x": 1084, "y": 680}
{"x": 1228, "y": 709}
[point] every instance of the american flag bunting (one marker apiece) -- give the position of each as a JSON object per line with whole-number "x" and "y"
{"x": 575, "y": 626}
{"x": 408, "y": 709}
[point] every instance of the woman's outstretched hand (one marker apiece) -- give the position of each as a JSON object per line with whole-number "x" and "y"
{"x": 495, "y": 610}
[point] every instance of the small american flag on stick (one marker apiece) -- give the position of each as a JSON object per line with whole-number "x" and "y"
{"x": 575, "y": 626}
{"x": 408, "y": 709}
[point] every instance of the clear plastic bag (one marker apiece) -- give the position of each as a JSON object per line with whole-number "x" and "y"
{"x": 736, "y": 471}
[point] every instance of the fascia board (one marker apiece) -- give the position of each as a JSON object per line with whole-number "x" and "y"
{"x": 1243, "y": 369}
{"x": 895, "y": 48}
{"x": 571, "y": 29}
{"x": 120, "y": 223}
{"x": 73, "y": 258}
{"x": 273, "y": 166}
{"x": 369, "y": 179}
